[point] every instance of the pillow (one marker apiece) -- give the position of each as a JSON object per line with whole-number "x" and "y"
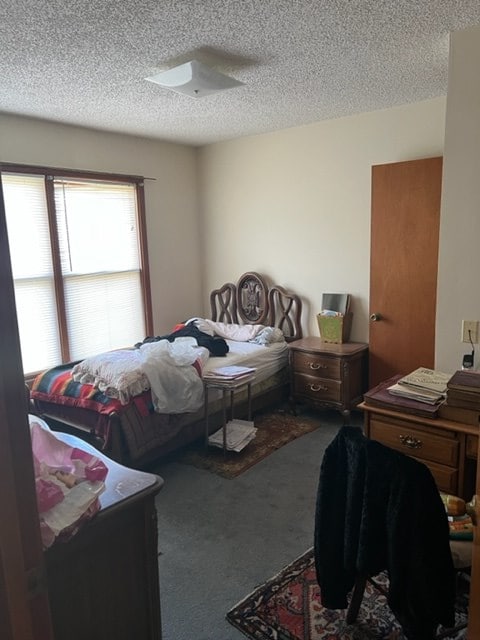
{"x": 256, "y": 333}
{"x": 268, "y": 335}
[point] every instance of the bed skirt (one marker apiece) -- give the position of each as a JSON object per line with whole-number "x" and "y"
{"x": 136, "y": 438}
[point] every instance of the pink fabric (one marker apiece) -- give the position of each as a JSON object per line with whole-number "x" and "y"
{"x": 59, "y": 471}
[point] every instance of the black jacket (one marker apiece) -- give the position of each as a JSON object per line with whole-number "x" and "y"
{"x": 378, "y": 509}
{"x": 216, "y": 345}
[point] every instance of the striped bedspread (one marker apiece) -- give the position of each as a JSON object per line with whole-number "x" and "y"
{"x": 57, "y": 385}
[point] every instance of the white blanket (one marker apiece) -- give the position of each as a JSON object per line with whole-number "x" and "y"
{"x": 258, "y": 333}
{"x": 164, "y": 367}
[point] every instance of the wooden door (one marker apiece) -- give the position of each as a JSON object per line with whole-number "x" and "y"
{"x": 474, "y": 609}
{"x": 403, "y": 266}
{"x": 24, "y": 611}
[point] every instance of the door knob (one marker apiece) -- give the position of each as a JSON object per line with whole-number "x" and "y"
{"x": 375, "y": 317}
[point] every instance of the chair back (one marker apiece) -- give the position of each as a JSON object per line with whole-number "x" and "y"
{"x": 378, "y": 509}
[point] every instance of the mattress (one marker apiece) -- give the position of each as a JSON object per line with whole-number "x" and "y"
{"x": 267, "y": 360}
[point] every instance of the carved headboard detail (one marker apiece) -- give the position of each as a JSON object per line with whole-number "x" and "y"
{"x": 252, "y": 301}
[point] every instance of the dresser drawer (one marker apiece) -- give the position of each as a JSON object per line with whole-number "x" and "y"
{"x": 317, "y": 389}
{"x": 415, "y": 442}
{"x": 316, "y": 365}
{"x": 472, "y": 447}
{"x": 446, "y": 478}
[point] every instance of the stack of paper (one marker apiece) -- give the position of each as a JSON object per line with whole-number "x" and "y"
{"x": 429, "y": 379}
{"x": 239, "y": 434}
{"x": 423, "y": 385}
{"x": 380, "y": 396}
{"x": 229, "y": 372}
{"x": 420, "y": 395}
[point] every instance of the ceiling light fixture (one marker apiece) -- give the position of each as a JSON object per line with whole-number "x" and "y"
{"x": 194, "y": 79}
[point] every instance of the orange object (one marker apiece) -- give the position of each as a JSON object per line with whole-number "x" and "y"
{"x": 454, "y": 505}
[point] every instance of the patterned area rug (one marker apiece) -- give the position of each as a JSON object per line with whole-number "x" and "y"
{"x": 275, "y": 429}
{"x": 287, "y": 607}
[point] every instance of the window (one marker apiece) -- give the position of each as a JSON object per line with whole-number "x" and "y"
{"x": 78, "y": 261}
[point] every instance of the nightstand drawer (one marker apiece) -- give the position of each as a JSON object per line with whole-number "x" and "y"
{"x": 415, "y": 442}
{"x": 317, "y": 389}
{"x": 316, "y": 365}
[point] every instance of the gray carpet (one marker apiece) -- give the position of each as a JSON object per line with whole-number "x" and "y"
{"x": 220, "y": 538}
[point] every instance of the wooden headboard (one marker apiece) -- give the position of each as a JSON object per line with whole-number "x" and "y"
{"x": 253, "y": 301}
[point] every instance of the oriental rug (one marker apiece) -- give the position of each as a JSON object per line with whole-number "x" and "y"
{"x": 288, "y": 607}
{"x": 275, "y": 429}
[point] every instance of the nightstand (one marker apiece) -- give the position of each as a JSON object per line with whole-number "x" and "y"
{"x": 328, "y": 375}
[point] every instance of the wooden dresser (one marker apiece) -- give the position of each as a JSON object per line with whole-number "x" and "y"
{"x": 448, "y": 447}
{"x": 328, "y": 375}
{"x": 103, "y": 583}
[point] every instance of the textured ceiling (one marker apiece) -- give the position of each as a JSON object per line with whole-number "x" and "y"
{"x": 84, "y": 62}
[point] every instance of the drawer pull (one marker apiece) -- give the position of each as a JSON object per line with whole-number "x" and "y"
{"x": 317, "y": 387}
{"x": 411, "y": 442}
{"x": 316, "y": 365}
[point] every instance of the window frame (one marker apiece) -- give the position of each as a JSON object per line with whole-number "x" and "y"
{"x": 49, "y": 174}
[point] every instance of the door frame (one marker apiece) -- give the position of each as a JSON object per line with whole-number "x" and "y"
{"x": 473, "y": 632}
{"x": 24, "y": 609}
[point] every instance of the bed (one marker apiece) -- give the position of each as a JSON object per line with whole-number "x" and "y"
{"x": 138, "y": 428}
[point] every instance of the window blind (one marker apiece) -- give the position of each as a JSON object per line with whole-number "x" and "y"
{"x": 31, "y": 257}
{"x": 98, "y": 243}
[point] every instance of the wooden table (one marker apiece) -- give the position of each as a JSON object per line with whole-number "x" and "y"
{"x": 227, "y": 386}
{"x": 104, "y": 583}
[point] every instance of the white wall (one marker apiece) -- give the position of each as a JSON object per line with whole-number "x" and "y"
{"x": 171, "y": 199}
{"x": 459, "y": 258}
{"x": 295, "y": 204}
